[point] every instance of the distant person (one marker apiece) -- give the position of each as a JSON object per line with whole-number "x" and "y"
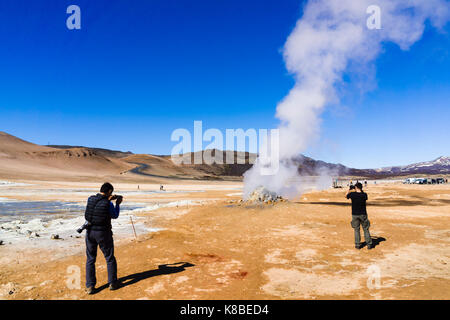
{"x": 99, "y": 212}
{"x": 161, "y": 188}
{"x": 365, "y": 183}
{"x": 359, "y": 215}
{"x": 138, "y": 187}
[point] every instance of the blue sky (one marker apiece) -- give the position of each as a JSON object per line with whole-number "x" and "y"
{"x": 139, "y": 69}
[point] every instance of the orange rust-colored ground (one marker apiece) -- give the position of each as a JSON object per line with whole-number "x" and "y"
{"x": 293, "y": 250}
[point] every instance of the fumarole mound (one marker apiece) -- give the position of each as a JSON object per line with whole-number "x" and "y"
{"x": 263, "y": 195}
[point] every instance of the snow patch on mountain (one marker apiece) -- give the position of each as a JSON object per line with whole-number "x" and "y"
{"x": 439, "y": 165}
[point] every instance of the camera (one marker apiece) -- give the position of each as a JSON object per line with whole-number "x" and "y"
{"x": 84, "y": 226}
{"x": 116, "y": 197}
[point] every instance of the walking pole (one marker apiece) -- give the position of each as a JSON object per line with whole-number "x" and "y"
{"x": 134, "y": 230}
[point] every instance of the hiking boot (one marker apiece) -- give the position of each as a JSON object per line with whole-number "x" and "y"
{"x": 358, "y": 246}
{"x": 90, "y": 290}
{"x": 370, "y": 246}
{"x": 114, "y": 285}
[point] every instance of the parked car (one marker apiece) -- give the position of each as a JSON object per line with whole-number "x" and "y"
{"x": 409, "y": 180}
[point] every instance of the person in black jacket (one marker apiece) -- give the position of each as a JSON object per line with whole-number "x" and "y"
{"x": 99, "y": 212}
{"x": 359, "y": 215}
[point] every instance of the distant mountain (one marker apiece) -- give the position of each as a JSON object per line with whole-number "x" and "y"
{"x": 152, "y": 165}
{"x": 99, "y": 151}
{"x": 306, "y": 165}
{"x": 310, "y": 166}
{"x": 440, "y": 165}
{"x": 22, "y": 159}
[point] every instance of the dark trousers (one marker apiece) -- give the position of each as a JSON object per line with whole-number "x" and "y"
{"x": 364, "y": 222}
{"x": 104, "y": 240}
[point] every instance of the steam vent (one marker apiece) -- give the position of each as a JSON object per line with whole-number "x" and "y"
{"x": 263, "y": 195}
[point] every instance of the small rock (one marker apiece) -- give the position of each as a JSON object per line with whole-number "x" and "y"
{"x": 1, "y": 242}
{"x": 7, "y": 289}
{"x": 54, "y": 237}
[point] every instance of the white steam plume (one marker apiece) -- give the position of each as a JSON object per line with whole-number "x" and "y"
{"x": 331, "y": 38}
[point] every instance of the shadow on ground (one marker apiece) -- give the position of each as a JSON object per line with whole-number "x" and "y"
{"x": 162, "y": 270}
{"x": 375, "y": 241}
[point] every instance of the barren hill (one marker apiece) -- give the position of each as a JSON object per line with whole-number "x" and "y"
{"x": 23, "y": 160}
{"x": 11, "y": 146}
{"x": 20, "y": 159}
{"x": 163, "y": 166}
{"x": 99, "y": 151}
